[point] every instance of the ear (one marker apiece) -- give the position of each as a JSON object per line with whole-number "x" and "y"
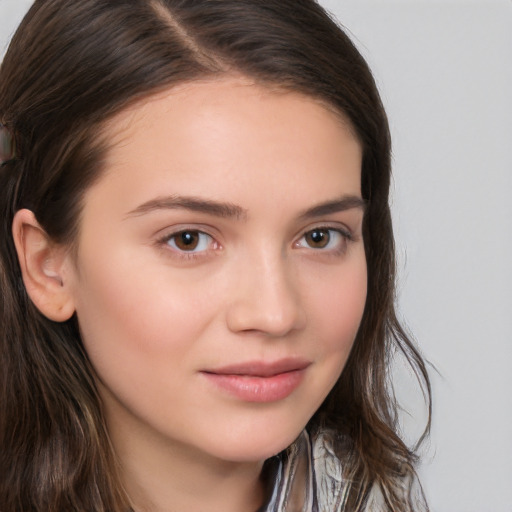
{"x": 43, "y": 267}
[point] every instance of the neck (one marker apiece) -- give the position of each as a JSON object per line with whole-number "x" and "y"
{"x": 172, "y": 483}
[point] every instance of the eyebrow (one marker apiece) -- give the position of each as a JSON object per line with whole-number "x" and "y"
{"x": 230, "y": 210}
{"x": 341, "y": 204}
{"x": 195, "y": 204}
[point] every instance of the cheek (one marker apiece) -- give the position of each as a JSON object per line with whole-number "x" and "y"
{"x": 140, "y": 339}
{"x": 132, "y": 318}
{"x": 338, "y": 309}
{"x": 335, "y": 308}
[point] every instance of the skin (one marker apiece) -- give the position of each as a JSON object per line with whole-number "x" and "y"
{"x": 156, "y": 315}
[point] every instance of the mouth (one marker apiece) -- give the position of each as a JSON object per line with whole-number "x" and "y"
{"x": 258, "y": 381}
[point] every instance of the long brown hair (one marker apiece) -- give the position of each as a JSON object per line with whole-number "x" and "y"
{"x": 71, "y": 66}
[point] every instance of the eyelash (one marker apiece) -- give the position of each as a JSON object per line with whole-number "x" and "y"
{"x": 169, "y": 240}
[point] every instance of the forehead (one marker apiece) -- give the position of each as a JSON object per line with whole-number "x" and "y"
{"x": 232, "y": 137}
{"x": 205, "y": 99}
{"x": 215, "y": 88}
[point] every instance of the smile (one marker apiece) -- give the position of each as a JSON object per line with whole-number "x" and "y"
{"x": 259, "y": 382}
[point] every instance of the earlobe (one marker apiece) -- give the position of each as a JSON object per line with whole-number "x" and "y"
{"x": 42, "y": 265}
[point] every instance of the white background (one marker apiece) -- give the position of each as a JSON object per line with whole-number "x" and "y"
{"x": 444, "y": 69}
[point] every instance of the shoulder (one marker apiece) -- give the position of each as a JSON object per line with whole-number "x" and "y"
{"x": 409, "y": 487}
{"x": 311, "y": 476}
{"x": 333, "y": 488}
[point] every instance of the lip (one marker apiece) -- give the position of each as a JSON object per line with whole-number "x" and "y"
{"x": 258, "y": 381}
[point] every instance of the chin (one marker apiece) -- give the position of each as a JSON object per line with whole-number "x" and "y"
{"x": 256, "y": 446}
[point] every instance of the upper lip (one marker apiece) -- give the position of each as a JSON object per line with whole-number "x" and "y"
{"x": 262, "y": 368}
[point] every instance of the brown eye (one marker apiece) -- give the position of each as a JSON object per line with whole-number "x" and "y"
{"x": 190, "y": 241}
{"x": 187, "y": 240}
{"x": 318, "y": 238}
{"x": 325, "y": 239}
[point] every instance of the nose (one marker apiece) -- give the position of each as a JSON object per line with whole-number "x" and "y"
{"x": 266, "y": 298}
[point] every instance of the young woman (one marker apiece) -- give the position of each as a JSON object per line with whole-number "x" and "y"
{"x": 197, "y": 264}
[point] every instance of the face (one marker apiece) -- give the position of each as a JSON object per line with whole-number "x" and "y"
{"x": 220, "y": 276}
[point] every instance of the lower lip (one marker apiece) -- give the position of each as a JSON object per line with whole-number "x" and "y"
{"x": 258, "y": 389}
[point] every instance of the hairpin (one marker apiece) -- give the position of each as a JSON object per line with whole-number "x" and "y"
{"x": 7, "y": 145}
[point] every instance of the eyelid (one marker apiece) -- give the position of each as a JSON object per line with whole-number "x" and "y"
{"x": 332, "y": 226}
{"x": 172, "y": 230}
